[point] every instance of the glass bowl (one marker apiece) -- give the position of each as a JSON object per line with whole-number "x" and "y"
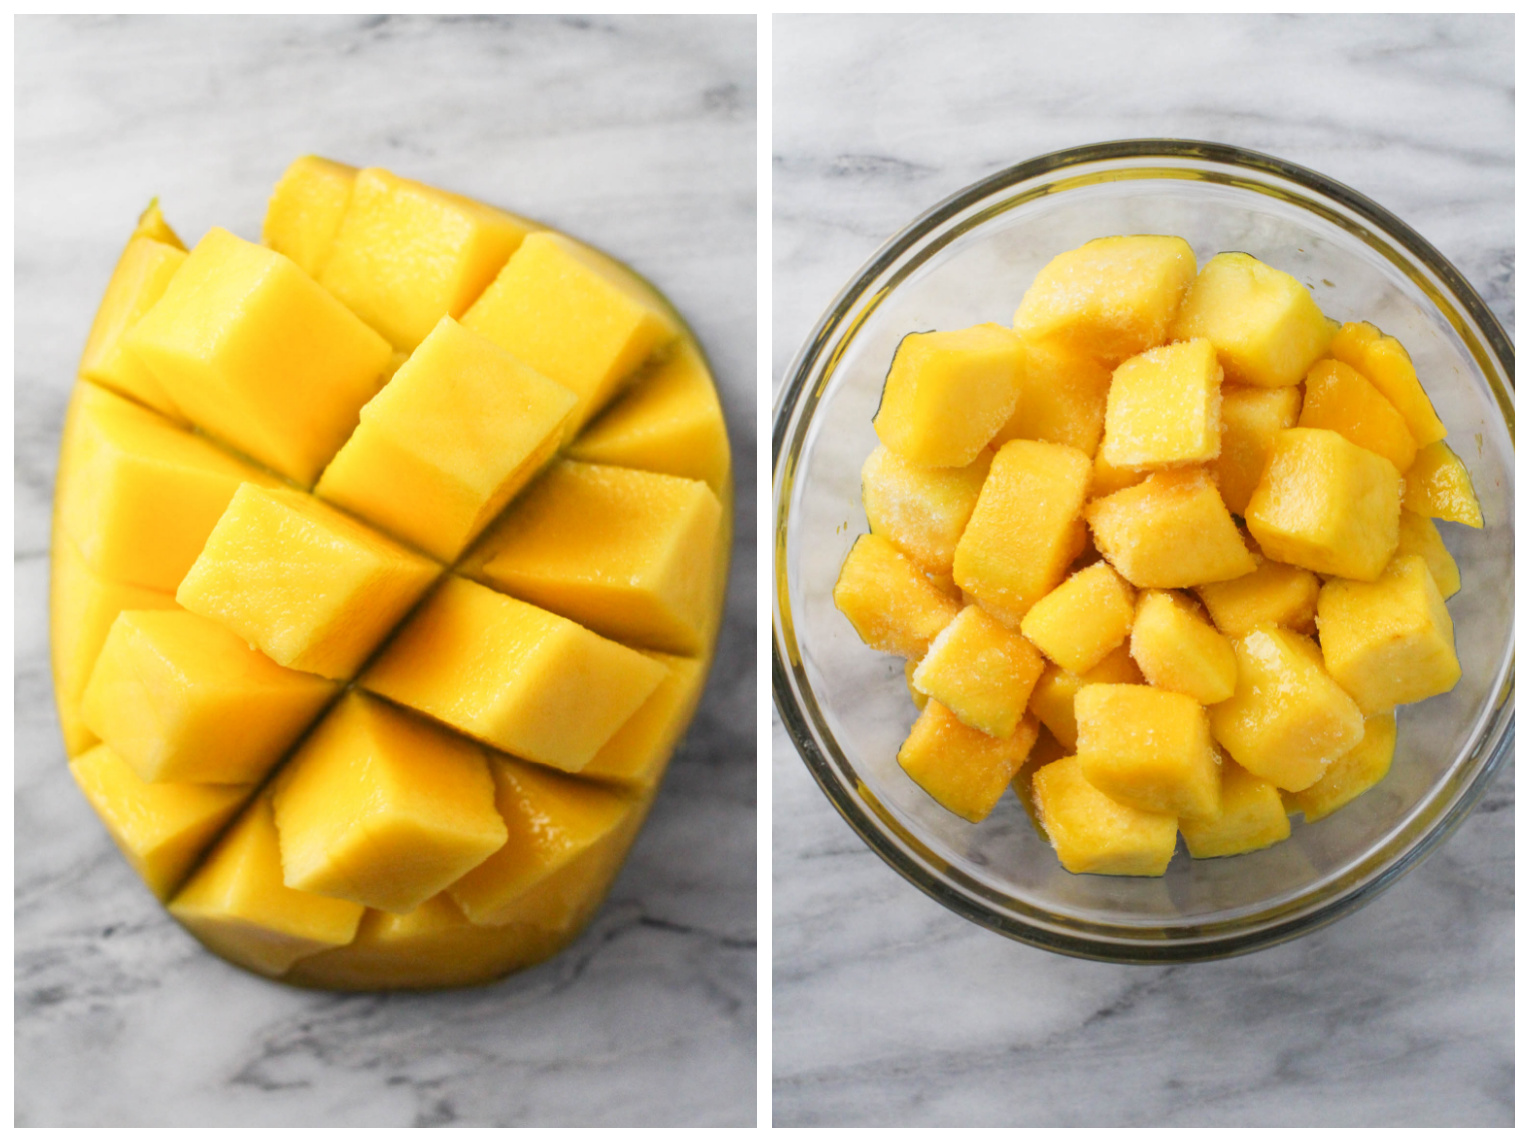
{"x": 969, "y": 260}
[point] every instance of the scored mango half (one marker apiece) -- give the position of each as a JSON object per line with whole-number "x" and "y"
{"x": 388, "y": 567}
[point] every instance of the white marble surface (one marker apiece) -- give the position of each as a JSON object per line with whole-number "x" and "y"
{"x": 888, "y": 1009}
{"x": 637, "y": 134}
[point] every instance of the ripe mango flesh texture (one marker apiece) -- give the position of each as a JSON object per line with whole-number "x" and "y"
{"x": 923, "y": 511}
{"x": 1165, "y": 408}
{"x": 1095, "y": 833}
{"x": 1339, "y": 398}
{"x": 1148, "y": 748}
{"x": 964, "y": 769}
{"x": 981, "y": 671}
{"x": 1080, "y": 622}
{"x": 1385, "y": 363}
{"x": 1179, "y": 650}
{"x": 1062, "y": 398}
{"x": 296, "y": 823}
{"x": 1438, "y": 486}
{"x": 1252, "y": 817}
{"x": 1171, "y": 530}
{"x": 892, "y": 605}
{"x": 1251, "y": 417}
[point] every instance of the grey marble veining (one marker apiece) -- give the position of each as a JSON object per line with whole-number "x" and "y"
{"x": 888, "y": 1009}
{"x": 635, "y": 134}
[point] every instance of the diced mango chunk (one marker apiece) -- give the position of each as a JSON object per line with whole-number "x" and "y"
{"x": 1093, "y": 833}
{"x": 1267, "y": 329}
{"x": 981, "y": 671}
{"x": 1417, "y": 535}
{"x": 1273, "y": 594}
{"x": 1386, "y": 364}
{"x": 1438, "y": 486}
{"x": 948, "y": 393}
{"x": 1251, "y": 417}
{"x": 636, "y": 754}
{"x": 1165, "y": 408}
{"x": 1340, "y": 398}
{"x": 142, "y": 273}
{"x": 1148, "y": 748}
{"x": 892, "y": 605}
{"x": 1360, "y": 769}
{"x": 1062, "y": 398}
{"x": 306, "y": 209}
{"x": 1252, "y": 817}
{"x": 1083, "y": 620}
{"x": 1171, "y": 530}
{"x": 922, "y": 510}
{"x": 1052, "y": 698}
{"x": 1179, "y": 650}
{"x": 964, "y": 769}
{"x": 1107, "y": 478}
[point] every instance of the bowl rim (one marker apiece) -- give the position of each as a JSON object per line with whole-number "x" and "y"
{"x": 1102, "y": 942}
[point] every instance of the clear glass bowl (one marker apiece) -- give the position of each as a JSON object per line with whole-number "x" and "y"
{"x": 969, "y": 260}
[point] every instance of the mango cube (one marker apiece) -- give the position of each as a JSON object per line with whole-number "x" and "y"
{"x": 1110, "y": 298}
{"x": 1062, "y": 399}
{"x": 1056, "y": 689}
{"x": 636, "y": 754}
{"x": 1437, "y": 485}
{"x": 1357, "y": 771}
{"x": 1092, "y": 833}
{"x": 1266, "y": 328}
{"x": 1171, "y": 530}
{"x": 1165, "y": 408}
{"x": 1179, "y": 650}
{"x": 306, "y": 209}
{"x": 1339, "y": 398}
{"x": 407, "y": 255}
{"x": 308, "y": 585}
{"x": 1417, "y": 535}
{"x": 1390, "y": 642}
{"x": 1386, "y": 364}
{"x": 1288, "y": 719}
{"x": 1251, "y": 417}
{"x": 255, "y": 352}
{"x": 922, "y": 510}
{"x": 964, "y": 769}
{"x": 1148, "y": 748}
{"x": 180, "y": 698}
{"x": 513, "y": 675}
{"x": 459, "y": 430}
{"x": 161, "y": 828}
{"x": 948, "y": 393}
{"x": 1253, "y": 817}
{"x": 981, "y": 671}
{"x": 383, "y": 808}
{"x": 1024, "y": 530}
{"x": 142, "y": 273}
{"x": 1083, "y": 620}
{"x": 891, "y": 604}
{"x": 1273, "y": 594}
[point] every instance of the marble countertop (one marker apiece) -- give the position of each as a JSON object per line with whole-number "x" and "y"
{"x": 636, "y": 134}
{"x": 888, "y": 1009}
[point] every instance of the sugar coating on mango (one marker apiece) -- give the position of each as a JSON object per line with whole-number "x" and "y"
{"x": 238, "y": 906}
{"x": 161, "y": 828}
{"x": 573, "y": 315}
{"x": 1266, "y": 328}
{"x": 1165, "y": 408}
{"x": 1171, "y": 530}
{"x": 181, "y": 698}
{"x": 1081, "y": 621}
{"x": 628, "y": 554}
{"x": 1438, "y": 486}
{"x": 384, "y": 808}
{"x": 1339, "y": 398}
{"x": 922, "y": 510}
{"x": 1357, "y": 771}
{"x": 1092, "y": 833}
{"x": 306, "y": 209}
{"x": 1052, "y": 699}
{"x": 1251, "y": 418}
{"x": 308, "y": 585}
{"x": 1110, "y": 298}
{"x": 1288, "y": 719}
{"x": 1252, "y": 817}
{"x": 1148, "y": 748}
{"x": 407, "y": 254}
{"x": 449, "y": 441}
{"x": 512, "y": 675}
{"x": 948, "y": 393}
{"x": 891, "y": 604}
{"x": 964, "y": 769}
{"x": 1273, "y": 594}
{"x": 1417, "y": 535}
{"x": 1062, "y": 398}
{"x": 1024, "y": 530}
{"x": 981, "y": 671}
{"x": 1179, "y": 650}
{"x": 636, "y": 754}
{"x": 1386, "y": 364}
{"x": 1390, "y": 642}
{"x": 1327, "y": 505}
{"x": 253, "y": 351}
{"x": 142, "y": 273}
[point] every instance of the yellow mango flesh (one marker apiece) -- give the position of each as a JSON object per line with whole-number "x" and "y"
{"x": 1062, "y": 398}
{"x": 1083, "y": 620}
{"x": 1149, "y": 749}
{"x": 1273, "y": 594}
{"x": 383, "y": 808}
{"x": 238, "y": 906}
{"x": 1091, "y": 833}
{"x": 1171, "y": 530}
{"x": 628, "y": 554}
{"x": 407, "y": 255}
{"x": 1327, "y": 505}
{"x": 1165, "y": 408}
{"x": 948, "y": 393}
{"x": 142, "y": 273}
{"x": 255, "y": 353}
{"x": 1386, "y": 364}
{"x": 891, "y": 604}
{"x": 306, "y": 209}
{"x": 1437, "y": 486}
{"x": 1341, "y": 399}
{"x": 922, "y": 510}
{"x": 161, "y": 828}
{"x": 574, "y": 316}
{"x": 1360, "y": 769}
{"x": 636, "y": 754}
{"x": 1111, "y": 298}
{"x": 1417, "y": 535}
{"x": 513, "y": 675}
{"x": 981, "y": 671}
{"x": 964, "y": 769}
{"x": 181, "y": 698}
{"x": 1052, "y": 699}
{"x": 1252, "y": 817}
{"x": 1266, "y": 328}
{"x": 1178, "y": 650}
{"x": 1251, "y": 417}
{"x": 308, "y": 585}
{"x": 1046, "y": 750}
{"x": 459, "y": 430}
{"x": 1107, "y": 478}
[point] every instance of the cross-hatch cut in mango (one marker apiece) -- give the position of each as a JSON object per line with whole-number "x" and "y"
{"x": 1051, "y": 507}
{"x": 292, "y": 737}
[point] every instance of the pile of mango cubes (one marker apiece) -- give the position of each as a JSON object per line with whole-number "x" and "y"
{"x": 388, "y": 565}
{"x": 1161, "y": 557}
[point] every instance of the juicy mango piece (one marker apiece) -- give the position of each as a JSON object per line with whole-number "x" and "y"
{"x": 1149, "y": 749}
{"x": 308, "y": 585}
{"x": 161, "y": 828}
{"x": 306, "y": 209}
{"x": 1055, "y": 691}
{"x": 1252, "y": 817}
{"x": 1107, "y": 478}
{"x": 922, "y": 510}
{"x": 1327, "y": 505}
{"x": 513, "y": 675}
{"x": 1390, "y": 642}
{"x": 636, "y": 754}
{"x": 1437, "y": 485}
{"x": 964, "y": 769}
{"x": 1251, "y": 418}
{"x": 142, "y": 273}
{"x": 1083, "y": 620}
{"x": 1165, "y": 408}
{"x": 254, "y": 352}
{"x": 1171, "y": 530}
{"x": 1273, "y": 594}
{"x": 1360, "y": 769}
{"x": 1417, "y": 535}
{"x": 948, "y": 393}
{"x": 459, "y": 430}
{"x": 1266, "y": 328}
{"x": 1178, "y": 650}
{"x": 1062, "y": 399}
{"x": 1093, "y": 833}
{"x": 1386, "y": 364}
{"x": 1341, "y": 399}
{"x": 889, "y": 601}
{"x": 1110, "y": 298}
{"x": 181, "y": 698}
{"x": 981, "y": 671}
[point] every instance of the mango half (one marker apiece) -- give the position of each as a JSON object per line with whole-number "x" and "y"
{"x": 374, "y": 631}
